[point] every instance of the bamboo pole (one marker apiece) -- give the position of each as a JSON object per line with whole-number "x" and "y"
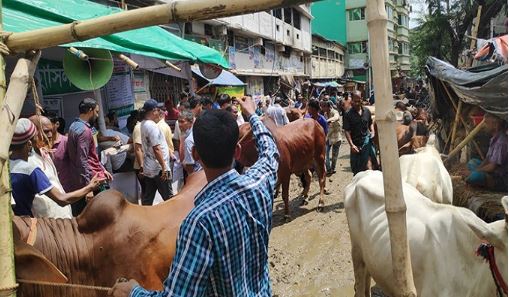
{"x": 9, "y": 112}
{"x": 465, "y": 141}
{"x": 395, "y": 206}
{"x": 7, "y": 273}
{"x": 455, "y": 123}
{"x": 174, "y": 11}
{"x": 476, "y": 145}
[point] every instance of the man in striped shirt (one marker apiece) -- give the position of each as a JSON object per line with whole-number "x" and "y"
{"x": 222, "y": 246}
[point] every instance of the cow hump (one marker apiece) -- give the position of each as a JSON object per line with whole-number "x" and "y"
{"x": 101, "y": 211}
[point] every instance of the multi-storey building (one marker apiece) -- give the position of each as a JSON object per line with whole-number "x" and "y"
{"x": 327, "y": 59}
{"x": 357, "y": 35}
{"x": 261, "y": 47}
{"x": 329, "y": 40}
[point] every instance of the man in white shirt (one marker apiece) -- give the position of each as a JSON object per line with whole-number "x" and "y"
{"x": 277, "y": 113}
{"x": 186, "y": 120}
{"x": 156, "y": 156}
{"x": 43, "y": 206}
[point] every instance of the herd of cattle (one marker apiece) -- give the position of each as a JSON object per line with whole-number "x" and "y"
{"x": 113, "y": 238}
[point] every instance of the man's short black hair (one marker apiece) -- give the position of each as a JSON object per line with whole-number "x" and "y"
{"x": 193, "y": 102}
{"x": 223, "y": 99}
{"x": 215, "y": 135}
{"x": 206, "y": 101}
{"x": 183, "y": 95}
{"x": 314, "y": 103}
{"x": 86, "y": 105}
{"x": 185, "y": 105}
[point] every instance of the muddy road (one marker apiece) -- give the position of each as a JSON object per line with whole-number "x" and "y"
{"x": 310, "y": 255}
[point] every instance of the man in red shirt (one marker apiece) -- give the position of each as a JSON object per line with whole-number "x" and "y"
{"x": 82, "y": 152}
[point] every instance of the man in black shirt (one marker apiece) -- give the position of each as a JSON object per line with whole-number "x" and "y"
{"x": 359, "y": 129}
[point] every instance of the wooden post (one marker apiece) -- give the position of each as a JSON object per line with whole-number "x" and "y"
{"x": 465, "y": 141}
{"x": 7, "y": 273}
{"x": 10, "y": 109}
{"x": 455, "y": 123}
{"x": 395, "y": 206}
{"x": 174, "y": 11}
{"x": 476, "y": 145}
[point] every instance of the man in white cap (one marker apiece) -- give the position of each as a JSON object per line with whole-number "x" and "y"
{"x": 28, "y": 180}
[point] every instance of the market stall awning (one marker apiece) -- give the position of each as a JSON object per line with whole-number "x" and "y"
{"x": 226, "y": 78}
{"x": 484, "y": 86}
{"x": 155, "y": 42}
{"x": 331, "y": 84}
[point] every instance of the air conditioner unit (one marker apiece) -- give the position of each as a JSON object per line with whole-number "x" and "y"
{"x": 280, "y": 48}
{"x": 258, "y": 41}
{"x": 220, "y": 30}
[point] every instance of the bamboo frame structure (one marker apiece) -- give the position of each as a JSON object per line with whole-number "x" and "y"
{"x": 9, "y": 114}
{"x": 174, "y": 11}
{"x": 455, "y": 107}
{"x": 395, "y": 206}
{"x": 465, "y": 141}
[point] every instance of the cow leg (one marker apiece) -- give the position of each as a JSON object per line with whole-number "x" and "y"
{"x": 278, "y": 186}
{"x": 306, "y": 176}
{"x": 361, "y": 274}
{"x": 285, "y": 184}
{"x": 320, "y": 171}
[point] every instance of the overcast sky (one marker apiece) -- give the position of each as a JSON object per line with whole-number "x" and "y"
{"x": 418, "y": 8}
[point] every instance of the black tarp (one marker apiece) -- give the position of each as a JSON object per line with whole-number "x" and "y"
{"x": 484, "y": 86}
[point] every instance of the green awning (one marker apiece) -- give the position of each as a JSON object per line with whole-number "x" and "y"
{"x": 155, "y": 42}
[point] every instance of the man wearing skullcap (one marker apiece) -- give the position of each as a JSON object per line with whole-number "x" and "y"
{"x": 28, "y": 180}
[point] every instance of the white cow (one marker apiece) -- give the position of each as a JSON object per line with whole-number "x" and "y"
{"x": 427, "y": 173}
{"x": 443, "y": 240}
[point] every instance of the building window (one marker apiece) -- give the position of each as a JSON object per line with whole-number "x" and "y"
{"x": 208, "y": 30}
{"x": 188, "y": 28}
{"x": 315, "y": 51}
{"x": 389, "y": 11}
{"x": 296, "y": 19}
{"x": 277, "y": 13}
{"x": 356, "y": 14}
{"x": 287, "y": 15}
{"x": 400, "y": 48}
{"x": 341, "y": 57}
{"x": 322, "y": 52}
{"x": 331, "y": 55}
{"x": 357, "y": 47}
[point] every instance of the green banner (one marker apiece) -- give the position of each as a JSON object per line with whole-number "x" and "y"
{"x": 233, "y": 91}
{"x": 52, "y": 78}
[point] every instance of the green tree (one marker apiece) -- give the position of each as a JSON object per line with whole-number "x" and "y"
{"x": 441, "y": 32}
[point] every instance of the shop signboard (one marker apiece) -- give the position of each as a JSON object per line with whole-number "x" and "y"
{"x": 233, "y": 91}
{"x": 53, "y": 79}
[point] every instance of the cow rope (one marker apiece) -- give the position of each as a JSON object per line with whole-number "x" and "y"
{"x": 8, "y": 291}
{"x": 65, "y": 285}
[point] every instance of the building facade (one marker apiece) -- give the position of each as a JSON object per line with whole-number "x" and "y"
{"x": 357, "y": 39}
{"x": 261, "y": 47}
{"x": 327, "y": 59}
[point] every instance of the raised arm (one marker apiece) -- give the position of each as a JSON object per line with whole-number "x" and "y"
{"x": 268, "y": 155}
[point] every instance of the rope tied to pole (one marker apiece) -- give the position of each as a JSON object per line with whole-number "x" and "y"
{"x": 4, "y": 50}
{"x": 8, "y": 291}
{"x": 64, "y": 285}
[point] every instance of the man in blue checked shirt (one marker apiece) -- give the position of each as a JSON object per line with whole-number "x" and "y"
{"x": 222, "y": 246}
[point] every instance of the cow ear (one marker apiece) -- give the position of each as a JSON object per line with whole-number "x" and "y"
{"x": 482, "y": 230}
{"x": 31, "y": 264}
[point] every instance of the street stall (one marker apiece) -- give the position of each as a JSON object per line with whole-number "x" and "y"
{"x": 225, "y": 83}
{"x": 459, "y": 101}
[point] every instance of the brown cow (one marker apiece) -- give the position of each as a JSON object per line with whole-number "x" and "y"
{"x": 301, "y": 146}
{"x": 408, "y": 140}
{"x": 294, "y": 114}
{"x": 112, "y": 238}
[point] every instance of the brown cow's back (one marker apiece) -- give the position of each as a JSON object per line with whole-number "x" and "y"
{"x": 112, "y": 238}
